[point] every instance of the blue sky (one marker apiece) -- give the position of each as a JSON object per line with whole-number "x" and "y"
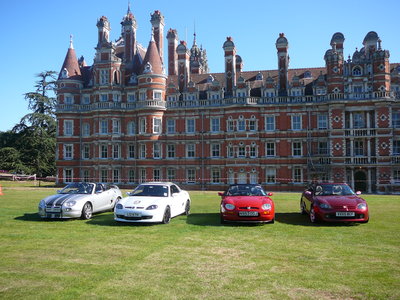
{"x": 36, "y": 34}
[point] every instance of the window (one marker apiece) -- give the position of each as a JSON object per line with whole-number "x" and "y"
{"x": 131, "y": 128}
{"x": 231, "y": 124}
{"x": 396, "y": 176}
{"x": 104, "y": 77}
{"x": 68, "y": 152}
{"x": 396, "y": 119}
{"x": 270, "y": 149}
{"x": 358, "y": 148}
{"x": 396, "y": 147}
{"x": 230, "y": 151}
{"x": 115, "y": 175}
{"x": 252, "y": 125}
{"x": 215, "y": 124}
{"x": 191, "y": 176}
{"x": 131, "y": 98}
{"x": 322, "y": 148}
{"x": 296, "y": 122}
{"x": 142, "y": 125}
{"x": 156, "y": 174}
{"x": 131, "y": 151}
{"x": 215, "y": 176}
{"x": 143, "y": 151}
{"x": 171, "y": 174}
{"x": 85, "y": 151}
{"x": 85, "y": 99}
{"x": 157, "y": 95}
{"x": 190, "y": 125}
{"x": 358, "y": 119}
{"x": 85, "y": 129}
{"x": 170, "y": 126}
{"x": 297, "y": 174}
{"x": 156, "y": 150}
{"x": 116, "y": 152}
{"x": 241, "y": 150}
{"x": 270, "y": 123}
{"x": 104, "y": 175}
{"x": 116, "y": 125}
{"x": 215, "y": 150}
{"x": 323, "y": 121}
{"x": 253, "y": 151}
{"x": 157, "y": 125}
{"x": 241, "y": 124}
{"x": 142, "y": 96}
{"x": 85, "y": 175}
{"x": 116, "y": 97}
{"x": 104, "y": 127}
{"x": 171, "y": 151}
{"x": 270, "y": 175}
{"x": 103, "y": 97}
{"x": 357, "y": 71}
{"x": 103, "y": 151}
{"x": 68, "y": 127}
{"x": 142, "y": 175}
{"x": 190, "y": 150}
{"x": 296, "y": 148}
{"x": 131, "y": 175}
{"x": 69, "y": 99}
{"x": 357, "y": 89}
{"x": 68, "y": 175}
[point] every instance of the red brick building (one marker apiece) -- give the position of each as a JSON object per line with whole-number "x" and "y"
{"x": 125, "y": 120}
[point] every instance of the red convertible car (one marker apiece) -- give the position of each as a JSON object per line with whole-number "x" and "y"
{"x": 333, "y": 202}
{"x": 246, "y": 203}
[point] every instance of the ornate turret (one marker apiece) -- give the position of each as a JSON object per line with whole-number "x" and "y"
{"x": 70, "y": 68}
{"x": 282, "y": 46}
{"x": 157, "y": 21}
{"x": 129, "y": 27}
{"x": 183, "y": 66}
{"x": 172, "y": 37}
{"x": 230, "y": 66}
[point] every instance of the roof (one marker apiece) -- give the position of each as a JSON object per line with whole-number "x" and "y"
{"x": 71, "y": 65}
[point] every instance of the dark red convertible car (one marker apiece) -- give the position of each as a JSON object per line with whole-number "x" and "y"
{"x": 333, "y": 202}
{"x": 246, "y": 203}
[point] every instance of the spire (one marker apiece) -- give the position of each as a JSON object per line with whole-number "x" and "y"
{"x": 71, "y": 45}
{"x": 129, "y": 8}
{"x": 152, "y": 63}
{"x": 70, "y": 68}
{"x": 194, "y": 34}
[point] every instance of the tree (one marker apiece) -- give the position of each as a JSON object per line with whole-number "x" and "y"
{"x": 10, "y": 160}
{"x": 37, "y": 130}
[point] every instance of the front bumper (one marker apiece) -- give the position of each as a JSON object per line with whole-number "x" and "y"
{"x": 66, "y": 213}
{"x": 360, "y": 216}
{"x": 137, "y": 216}
{"x": 263, "y": 217}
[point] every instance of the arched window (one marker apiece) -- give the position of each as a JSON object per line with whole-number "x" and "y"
{"x": 131, "y": 128}
{"x": 357, "y": 71}
{"x": 307, "y": 74}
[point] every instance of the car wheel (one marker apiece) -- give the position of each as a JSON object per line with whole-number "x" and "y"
{"x": 313, "y": 217}
{"x": 221, "y": 219}
{"x": 187, "y": 208}
{"x": 86, "y": 211}
{"x": 115, "y": 203}
{"x": 272, "y": 221}
{"x": 302, "y": 207}
{"x": 167, "y": 216}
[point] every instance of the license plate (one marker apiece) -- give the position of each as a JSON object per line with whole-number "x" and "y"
{"x": 345, "y": 214}
{"x": 134, "y": 215}
{"x": 248, "y": 213}
{"x": 53, "y": 209}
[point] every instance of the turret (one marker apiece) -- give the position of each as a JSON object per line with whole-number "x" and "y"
{"x": 129, "y": 27}
{"x": 334, "y": 62}
{"x": 230, "y": 66}
{"x": 103, "y": 26}
{"x": 282, "y": 46}
{"x": 172, "y": 37}
{"x": 157, "y": 21}
{"x": 183, "y": 66}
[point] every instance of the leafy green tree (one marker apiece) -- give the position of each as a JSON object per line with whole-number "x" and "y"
{"x": 37, "y": 130}
{"x": 10, "y": 160}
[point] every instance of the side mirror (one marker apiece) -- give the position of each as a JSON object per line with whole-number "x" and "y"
{"x": 358, "y": 193}
{"x": 270, "y": 194}
{"x": 220, "y": 194}
{"x": 129, "y": 193}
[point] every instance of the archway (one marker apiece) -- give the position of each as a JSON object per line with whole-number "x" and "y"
{"x": 360, "y": 181}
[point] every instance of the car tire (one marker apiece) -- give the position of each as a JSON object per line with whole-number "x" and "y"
{"x": 272, "y": 221}
{"x": 313, "y": 217}
{"x": 87, "y": 211}
{"x": 366, "y": 221}
{"x": 221, "y": 219}
{"x": 187, "y": 208}
{"x": 302, "y": 207}
{"x": 167, "y": 215}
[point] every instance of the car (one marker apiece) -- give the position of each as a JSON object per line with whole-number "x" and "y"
{"x": 153, "y": 202}
{"x": 80, "y": 200}
{"x": 246, "y": 203}
{"x": 333, "y": 202}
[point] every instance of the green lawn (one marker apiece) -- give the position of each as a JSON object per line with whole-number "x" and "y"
{"x": 195, "y": 257}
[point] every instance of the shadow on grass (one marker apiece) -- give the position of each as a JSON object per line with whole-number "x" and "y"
{"x": 108, "y": 220}
{"x": 294, "y": 218}
{"x": 213, "y": 219}
{"x": 33, "y": 217}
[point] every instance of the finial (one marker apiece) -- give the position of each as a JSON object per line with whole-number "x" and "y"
{"x": 194, "y": 33}
{"x": 379, "y": 44}
{"x": 71, "y": 45}
{"x": 129, "y": 7}
{"x": 152, "y": 35}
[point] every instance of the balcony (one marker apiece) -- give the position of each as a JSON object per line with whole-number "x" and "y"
{"x": 360, "y": 160}
{"x": 396, "y": 159}
{"x": 360, "y": 132}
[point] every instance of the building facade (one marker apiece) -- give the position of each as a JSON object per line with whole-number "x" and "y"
{"x": 124, "y": 119}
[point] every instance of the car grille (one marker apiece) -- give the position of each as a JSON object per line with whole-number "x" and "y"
{"x": 248, "y": 207}
{"x": 344, "y": 206}
{"x": 134, "y": 218}
{"x": 53, "y": 209}
{"x": 134, "y": 207}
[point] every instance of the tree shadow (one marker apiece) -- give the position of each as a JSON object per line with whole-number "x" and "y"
{"x": 297, "y": 219}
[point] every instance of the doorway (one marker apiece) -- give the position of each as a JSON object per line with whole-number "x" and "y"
{"x": 360, "y": 181}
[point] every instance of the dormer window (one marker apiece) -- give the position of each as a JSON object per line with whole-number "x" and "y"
{"x": 148, "y": 68}
{"x": 307, "y": 74}
{"x": 210, "y": 79}
{"x": 64, "y": 73}
{"x": 259, "y": 76}
{"x": 357, "y": 71}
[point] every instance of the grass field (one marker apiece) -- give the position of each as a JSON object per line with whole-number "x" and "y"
{"x": 195, "y": 257}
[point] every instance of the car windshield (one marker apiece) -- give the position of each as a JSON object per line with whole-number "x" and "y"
{"x": 77, "y": 188}
{"x": 333, "y": 189}
{"x": 245, "y": 190}
{"x": 149, "y": 190}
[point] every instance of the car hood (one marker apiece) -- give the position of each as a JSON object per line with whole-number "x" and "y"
{"x": 60, "y": 199}
{"x": 142, "y": 201}
{"x": 247, "y": 200}
{"x": 340, "y": 200}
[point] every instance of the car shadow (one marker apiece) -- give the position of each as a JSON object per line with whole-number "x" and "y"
{"x": 295, "y": 218}
{"x": 108, "y": 220}
{"x": 31, "y": 217}
{"x": 213, "y": 219}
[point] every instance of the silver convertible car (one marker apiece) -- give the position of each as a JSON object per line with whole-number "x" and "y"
{"x": 80, "y": 199}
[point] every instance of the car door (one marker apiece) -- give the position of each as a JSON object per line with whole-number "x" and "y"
{"x": 101, "y": 197}
{"x": 176, "y": 198}
{"x": 308, "y": 198}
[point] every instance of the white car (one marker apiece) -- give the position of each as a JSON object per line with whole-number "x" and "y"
{"x": 153, "y": 202}
{"x": 80, "y": 200}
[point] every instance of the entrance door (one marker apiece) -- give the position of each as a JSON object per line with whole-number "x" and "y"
{"x": 242, "y": 178}
{"x": 253, "y": 178}
{"x": 360, "y": 181}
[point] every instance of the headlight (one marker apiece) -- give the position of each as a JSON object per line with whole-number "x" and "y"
{"x": 152, "y": 207}
{"x": 42, "y": 204}
{"x": 266, "y": 206}
{"x": 119, "y": 206}
{"x": 362, "y": 206}
{"x": 324, "y": 205}
{"x": 70, "y": 203}
{"x": 229, "y": 206}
